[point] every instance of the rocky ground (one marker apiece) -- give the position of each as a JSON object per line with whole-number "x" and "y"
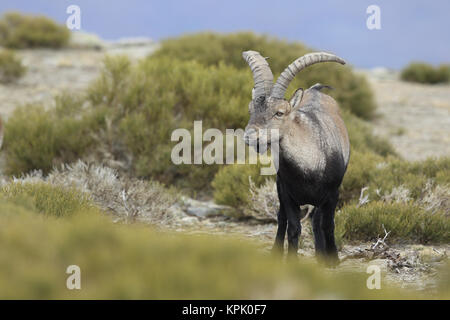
{"x": 416, "y": 118}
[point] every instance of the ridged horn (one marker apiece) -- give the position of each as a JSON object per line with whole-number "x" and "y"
{"x": 285, "y": 78}
{"x": 262, "y": 75}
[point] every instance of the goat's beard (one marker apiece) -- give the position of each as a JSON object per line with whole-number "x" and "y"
{"x": 260, "y": 147}
{"x": 263, "y": 141}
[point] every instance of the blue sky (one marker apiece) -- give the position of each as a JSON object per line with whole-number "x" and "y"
{"x": 410, "y": 30}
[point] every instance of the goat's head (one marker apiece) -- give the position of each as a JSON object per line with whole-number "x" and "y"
{"x": 268, "y": 108}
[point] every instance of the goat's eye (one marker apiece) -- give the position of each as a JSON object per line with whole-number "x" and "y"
{"x": 279, "y": 114}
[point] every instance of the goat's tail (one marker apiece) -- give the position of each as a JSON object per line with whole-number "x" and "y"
{"x": 309, "y": 213}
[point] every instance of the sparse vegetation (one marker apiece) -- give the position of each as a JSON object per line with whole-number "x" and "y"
{"x": 11, "y": 67}
{"x": 426, "y": 73}
{"x": 18, "y": 31}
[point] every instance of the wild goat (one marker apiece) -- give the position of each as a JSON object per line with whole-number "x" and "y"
{"x": 314, "y": 149}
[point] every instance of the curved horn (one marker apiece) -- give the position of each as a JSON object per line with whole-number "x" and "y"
{"x": 262, "y": 75}
{"x": 298, "y": 65}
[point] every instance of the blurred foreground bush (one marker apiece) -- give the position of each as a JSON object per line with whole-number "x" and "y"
{"x": 135, "y": 262}
{"x": 351, "y": 91}
{"x": 11, "y": 67}
{"x": 20, "y": 31}
{"x": 426, "y": 73}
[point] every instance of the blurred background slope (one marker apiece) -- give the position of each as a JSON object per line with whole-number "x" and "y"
{"x": 412, "y": 30}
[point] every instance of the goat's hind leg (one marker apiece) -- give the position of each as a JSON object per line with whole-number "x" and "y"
{"x": 319, "y": 240}
{"x": 327, "y": 225}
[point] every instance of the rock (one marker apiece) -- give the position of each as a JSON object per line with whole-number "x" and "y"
{"x": 203, "y": 209}
{"x": 176, "y": 212}
{"x": 189, "y": 220}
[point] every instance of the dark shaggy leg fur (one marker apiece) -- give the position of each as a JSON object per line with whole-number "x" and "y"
{"x": 278, "y": 246}
{"x": 294, "y": 227}
{"x": 288, "y": 216}
{"x": 328, "y": 247}
{"x": 319, "y": 240}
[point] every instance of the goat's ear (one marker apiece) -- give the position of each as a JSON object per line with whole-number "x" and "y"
{"x": 296, "y": 98}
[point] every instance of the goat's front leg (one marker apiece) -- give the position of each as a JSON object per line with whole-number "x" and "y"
{"x": 289, "y": 214}
{"x": 294, "y": 228}
{"x": 278, "y": 246}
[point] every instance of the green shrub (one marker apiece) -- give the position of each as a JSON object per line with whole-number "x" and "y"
{"x": 444, "y": 72}
{"x": 47, "y": 199}
{"x": 426, "y": 73}
{"x": 351, "y": 91}
{"x": 151, "y": 99}
{"x": 20, "y": 31}
{"x": 11, "y": 67}
{"x": 213, "y": 48}
{"x": 135, "y": 262}
{"x": 405, "y": 222}
{"x": 231, "y": 184}
{"x": 136, "y": 107}
{"x": 36, "y": 138}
